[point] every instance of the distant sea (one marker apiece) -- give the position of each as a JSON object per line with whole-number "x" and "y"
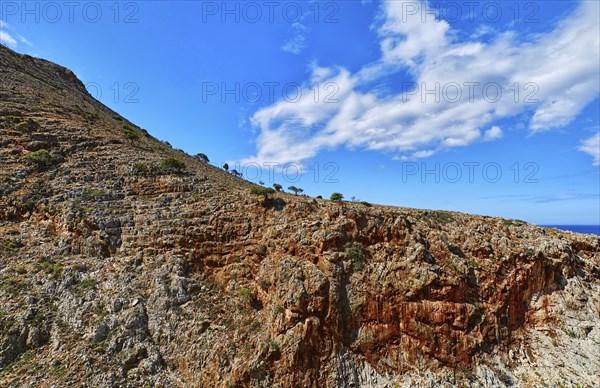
{"x": 588, "y": 229}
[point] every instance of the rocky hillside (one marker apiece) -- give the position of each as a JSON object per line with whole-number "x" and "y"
{"x": 124, "y": 262}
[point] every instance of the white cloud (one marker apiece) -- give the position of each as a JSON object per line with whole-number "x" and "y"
{"x": 297, "y": 43}
{"x": 11, "y": 39}
{"x": 24, "y": 40}
{"x": 6, "y": 38}
{"x": 556, "y": 75}
{"x": 592, "y": 146}
{"x": 493, "y": 133}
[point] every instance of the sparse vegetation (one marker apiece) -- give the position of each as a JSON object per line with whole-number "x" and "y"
{"x": 172, "y": 164}
{"x": 27, "y": 125}
{"x": 39, "y": 190}
{"x": 9, "y": 247}
{"x": 443, "y": 217}
{"x": 472, "y": 264}
{"x": 91, "y": 193}
{"x": 245, "y": 293}
{"x": 90, "y": 118}
{"x": 51, "y": 268}
{"x": 13, "y": 119}
{"x": 274, "y": 346}
{"x": 130, "y": 134}
{"x": 41, "y": 157}
{"x": 87, "y": 284}
{"x": 140, "y": 168}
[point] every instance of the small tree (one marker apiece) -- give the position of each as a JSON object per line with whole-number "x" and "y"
{"x": 202, "y": 157}
{"x": 336, "y": 197}
{"x": 235, "y": 172}
{"x": 277, "y": 186}
{"x": 264, "y": 191}
{"x": 226, "y": 167}
{"x": 295, "y": 189}
{"x": 261, "y": 183}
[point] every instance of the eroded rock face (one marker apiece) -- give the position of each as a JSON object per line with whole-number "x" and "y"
{"x": 115, "y": 272}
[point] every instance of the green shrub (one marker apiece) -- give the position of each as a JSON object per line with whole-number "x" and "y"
{"x": 246, "y": 294}
{"x": 264, "y": 191}
{"x": 91, "y": 118}
{"x": 130, "y": 134}
{"x": 274, "y": 346}
{"x": 365, "y": 203}
{"x": 356, "y": 253}
{"x": 336, "y": 197}
{"x": 41, "y": 188}
{"x": 41, "y": 157}
{"x": 443, "y": 217}
{"x": 202, "y": 157}
{"x": 91, "y": 193}
{"x": 25, "y": 125}
{"x": 87, "y": 284}
{"x": 277, "y": 186}
{"x": 140, "y": 168}
{"x": 172, "y": 164}
{"x": 13, "y": 119}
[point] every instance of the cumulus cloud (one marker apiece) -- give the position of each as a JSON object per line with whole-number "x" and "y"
{"x": 457, "y": 89}
{"x": 592, "y": 146}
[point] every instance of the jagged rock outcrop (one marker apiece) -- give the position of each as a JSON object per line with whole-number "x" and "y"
{"x": 118, "y": 270}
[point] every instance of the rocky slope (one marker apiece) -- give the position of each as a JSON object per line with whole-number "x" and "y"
{"x": 117, "y": 269}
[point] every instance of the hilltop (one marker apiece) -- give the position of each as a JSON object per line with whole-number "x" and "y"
{"x": 121, "y": 267}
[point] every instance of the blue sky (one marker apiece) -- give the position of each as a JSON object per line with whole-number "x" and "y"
{"x": 490, "y": 108}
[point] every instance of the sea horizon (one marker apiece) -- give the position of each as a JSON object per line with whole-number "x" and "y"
{"x": 585, "y": 229}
